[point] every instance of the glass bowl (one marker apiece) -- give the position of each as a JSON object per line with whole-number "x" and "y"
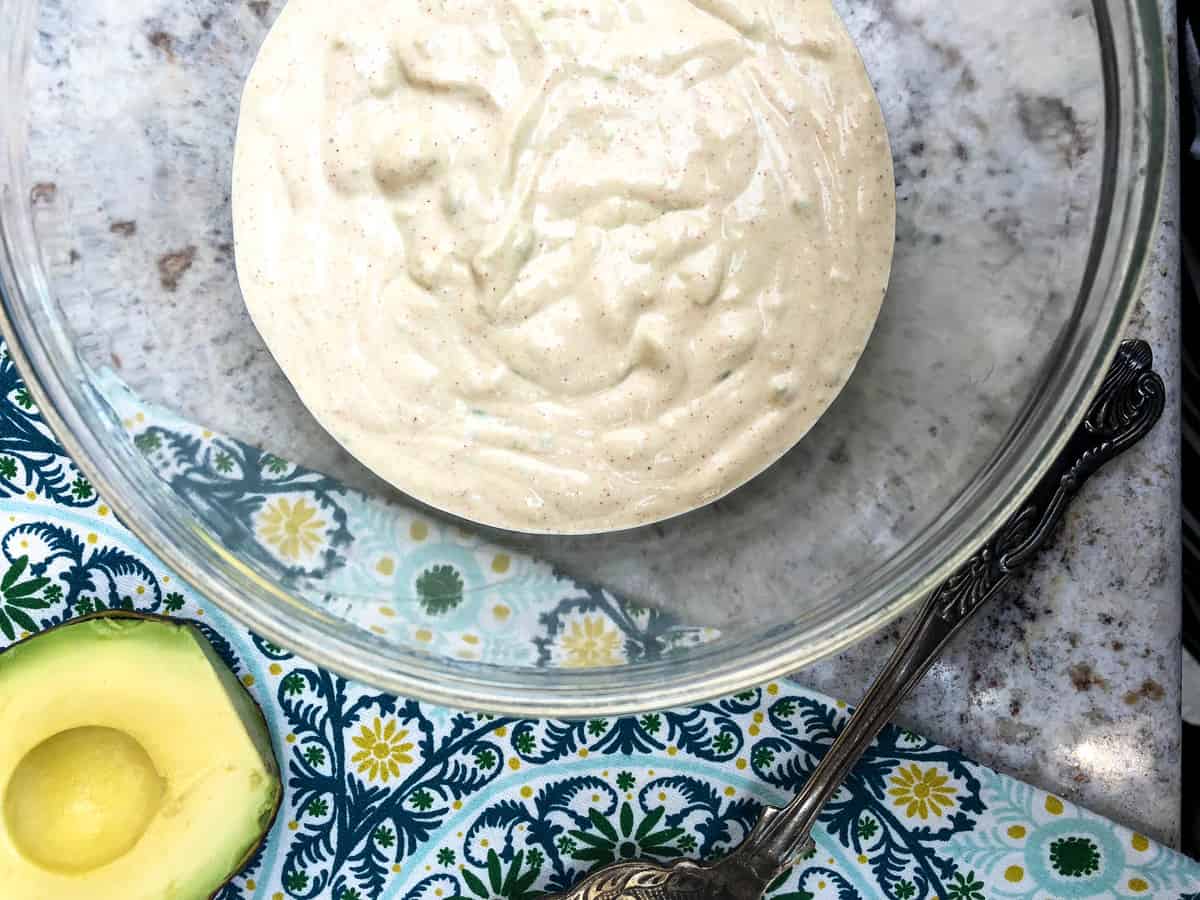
{"x": 1029, "y": 142}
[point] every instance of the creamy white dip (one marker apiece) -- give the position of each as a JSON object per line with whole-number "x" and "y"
{"x": 563, "y": 265}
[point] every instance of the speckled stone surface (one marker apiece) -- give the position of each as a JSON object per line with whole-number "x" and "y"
{"x": 1074, "y": 686}
{"x": 1072, "y": 682}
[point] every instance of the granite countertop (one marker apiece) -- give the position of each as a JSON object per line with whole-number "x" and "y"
{"x": 1072, "y": 685}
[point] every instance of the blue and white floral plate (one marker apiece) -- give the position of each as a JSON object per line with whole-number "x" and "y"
{"x": 390, "y": 798}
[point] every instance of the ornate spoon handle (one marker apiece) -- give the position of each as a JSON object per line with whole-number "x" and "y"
{"x": 1130, "y": 401}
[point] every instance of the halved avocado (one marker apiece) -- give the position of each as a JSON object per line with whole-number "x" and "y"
{"x": 133, "y": 764}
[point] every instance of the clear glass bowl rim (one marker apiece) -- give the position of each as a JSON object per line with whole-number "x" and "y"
{"x": 1134, "y": 62}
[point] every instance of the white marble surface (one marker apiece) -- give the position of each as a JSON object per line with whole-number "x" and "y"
{"x": 1073, "y": 685}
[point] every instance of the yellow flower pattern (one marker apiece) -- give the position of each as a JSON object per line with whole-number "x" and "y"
{"x": 920, "y": 793}
{"x": 383, "y": 750}
{"x": 590, "y": 644}
{"x": 293, "y": 529}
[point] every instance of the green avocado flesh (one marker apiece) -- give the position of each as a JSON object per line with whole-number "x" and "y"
{"x": 133, "y": 764}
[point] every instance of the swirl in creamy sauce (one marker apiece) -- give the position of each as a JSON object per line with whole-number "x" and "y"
{"x": 563, "y": 265}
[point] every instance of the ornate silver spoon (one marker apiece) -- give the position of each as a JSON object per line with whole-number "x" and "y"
{"x": 1130, "y": 401}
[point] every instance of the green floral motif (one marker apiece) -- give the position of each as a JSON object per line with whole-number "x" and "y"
{"x": 350, "y": 894}
{"x": 784, "y": 709}
{"x": 512, "y": 884}
{"x": 723, "y": 742}
{"x": 18, "y": 598}
{"x": 422, "y": 800}
{"x": 224, "y": 463}
{"x": 81, "y": 488}
{"x": 866, "y": 828}
{"x": 762, "y": 757}
{"x": 965, "y": 887}
{"x": 566, "y": 846}
{"x": 525, "y": 742}
{"x": 446, "y": 857}
{"x": 440, "y": 589}
{"x": 148, "y": 442}
{"x": 274, "y": 464}
{"x": 95, "y": 604}
{"x": 597, "y": 727}
{"x": 905, "y": 890}
{"x": 609, "y": 842}
{"x": 1074, "y": 857}
{"x": 318, "y": 808}
{"x": 295, "y": 881}
{"x": 314, "y": 756}
{"x": 292, "y": 684}
{"x": 8, "y": 467}
{"x": 173, "y": 601}
{"x": 626, "y": 781}
{"x": 651, "y": 723}
{"x": 384, "y": 837}
{"x": 485, "y": 759}
{"x": 24, "y": 398}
